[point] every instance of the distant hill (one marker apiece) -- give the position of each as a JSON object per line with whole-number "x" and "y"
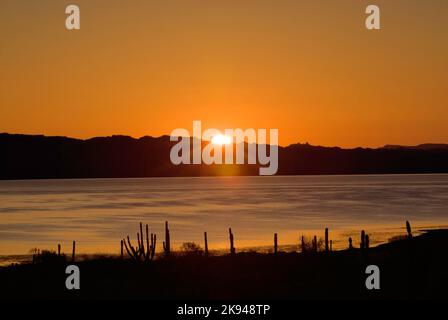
{"x": 41, "y": 157}
{"x": 426, "y": 146}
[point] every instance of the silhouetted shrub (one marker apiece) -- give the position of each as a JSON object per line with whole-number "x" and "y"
{"x": 308, "y": 246}
{"x": 191, "y": 248}
{"x": 398, "y": 238}
{"x": 48, "y": 256}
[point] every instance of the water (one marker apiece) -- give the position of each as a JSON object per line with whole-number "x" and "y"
{"x": 97, "y": 213}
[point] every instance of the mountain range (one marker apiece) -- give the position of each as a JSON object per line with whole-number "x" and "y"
{"x": 42, "y": 157}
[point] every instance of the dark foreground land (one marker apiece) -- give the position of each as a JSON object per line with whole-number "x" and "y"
{"x": 409, "y": 269}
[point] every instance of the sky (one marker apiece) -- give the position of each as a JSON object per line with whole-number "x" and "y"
{"x": 307, "y": 68}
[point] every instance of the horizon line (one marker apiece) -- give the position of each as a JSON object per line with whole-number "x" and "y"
{"x": 168, "y": 136}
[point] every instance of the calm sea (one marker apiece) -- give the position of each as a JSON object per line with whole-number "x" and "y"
{"x": 97, "y": 213}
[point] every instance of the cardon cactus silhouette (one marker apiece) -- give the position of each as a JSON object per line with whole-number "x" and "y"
{"x": 350, "y": 243}
{"x": 275, "y": 243}
{"x": 326, "y": 240}
{"x": 205, "y": 244}
{"x": 232, "y": 248}
{"x": 140, "y": 253}
{"x": 408, "y": 228}
{"x": 73, "y": 251}
{"x": 167, "y": 242}
{"x": 363, "y": 238}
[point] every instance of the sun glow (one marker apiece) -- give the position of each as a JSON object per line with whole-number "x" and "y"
{"x": 221, "y": 139}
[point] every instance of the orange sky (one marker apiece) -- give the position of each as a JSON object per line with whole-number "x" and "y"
{"x": 310, "y": 69}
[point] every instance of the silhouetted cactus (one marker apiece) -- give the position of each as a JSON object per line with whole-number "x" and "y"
{"x": 142, "y": 247}
{"x": 130, "y": 249}
{"x": 59, "y": 249}
{"x": 232, "y": 248}
{"x": 150, "y": 247}
{"x": 363, "y": 237}
{"x": 139, "y": 247}
{"x": 275, "y": 243}
{"x": 408, "y": 228}
{"x": 140, "y": 253}
{"x": 326, "y": 240}
{"x": 205, "y": 244}
{"x": 73, "y": 251}
{"x": 166, "y": 243}
{"x": 303, "y": 249}
{"x": 153, "y": 245}
{"x": 315, "y": 244}
{"x": 350, "y": 243}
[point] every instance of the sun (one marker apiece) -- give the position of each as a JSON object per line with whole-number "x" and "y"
{"x": 221, "y": 139}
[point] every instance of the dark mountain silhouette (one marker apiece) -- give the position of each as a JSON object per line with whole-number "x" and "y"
{"x": 41, "y": 157}
{"x": 426, "y": 146}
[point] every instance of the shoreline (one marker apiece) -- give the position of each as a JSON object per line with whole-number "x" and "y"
{"x": 387, "y": 174}
{"x": 411, "y": 268}
{"x": 25, "y": 258}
